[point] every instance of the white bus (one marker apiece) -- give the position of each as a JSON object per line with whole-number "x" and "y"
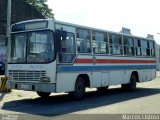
{"x": 52, "y": 56}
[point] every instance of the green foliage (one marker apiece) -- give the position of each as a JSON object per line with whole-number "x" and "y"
{"x": 42, "y": 7}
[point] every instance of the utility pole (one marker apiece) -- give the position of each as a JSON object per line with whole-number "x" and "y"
{"x": 8, "y": 18}
{"x": 8, "y": 30}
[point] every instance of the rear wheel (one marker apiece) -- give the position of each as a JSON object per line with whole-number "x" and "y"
{"x": 131, "y": 86}
{"x": 79, "y": 89}
{"x": 44, "y": 94}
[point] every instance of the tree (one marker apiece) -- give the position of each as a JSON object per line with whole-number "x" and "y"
{"x": 42, "y": 7}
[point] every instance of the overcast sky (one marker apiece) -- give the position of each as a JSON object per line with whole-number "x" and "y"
{"x": 141, "y": 16}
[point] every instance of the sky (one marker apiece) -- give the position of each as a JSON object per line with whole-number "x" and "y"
{"x": 141, "y": 16}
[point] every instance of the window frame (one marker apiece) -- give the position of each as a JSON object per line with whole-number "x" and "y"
{"x": 138, "y": 46}
{"x": 78, "y": 39}
{"x": 131, "y": 47}
{"x": 111, "y": 44}
{"x": 104, "y": 42}
{"x": 74, "y": 55}
{"x": 27, "y": 47}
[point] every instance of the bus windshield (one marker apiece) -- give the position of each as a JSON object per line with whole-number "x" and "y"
{"x": 32, "y": 47}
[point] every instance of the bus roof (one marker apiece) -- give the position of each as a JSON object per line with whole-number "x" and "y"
{"x": 81, "y": 26}
{"x": 102, "y": 30}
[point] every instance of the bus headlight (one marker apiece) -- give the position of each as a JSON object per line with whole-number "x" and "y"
{"x": 44, "y": 79}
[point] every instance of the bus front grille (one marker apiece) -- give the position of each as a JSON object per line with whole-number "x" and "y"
{"x": 19, "y": 75}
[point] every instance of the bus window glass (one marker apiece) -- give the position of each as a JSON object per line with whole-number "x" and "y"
{"x": 83, "y": 41}
{"x": 152, "y": 51}
{"x": 128, "y": 46}
{"x": 138, "y": 47}
{"x": 100, "y": 42}
{"x": 115, "y": 44}
{"x": 67, "y": 52}
{"x": 40, "y": 47}
{"x": 145, "y": 48}
{"x": 32, "y": 47}
{"x": 18, "y": 53}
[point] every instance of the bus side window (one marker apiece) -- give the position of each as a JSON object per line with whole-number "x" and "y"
{"x": 145, "y": 48}
{"x": 67, "y": 48}
{"x": 128, "y": 46}
{"x": 83, "y": 41}
{"x": 148, "y": 49}
{"x": 115, "y": 44}
{"x": 152, "y": 51}
{"x": 100, "y": 42}
{"x": 138, "y": 47}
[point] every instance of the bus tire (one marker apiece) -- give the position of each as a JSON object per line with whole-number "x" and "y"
{"x": 131, "y": 86}
{"x": 44, "y": 94}
{"x": 102, "y": 89}
{"x": 79, "y": 90}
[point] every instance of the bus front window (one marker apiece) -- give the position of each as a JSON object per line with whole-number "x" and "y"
{"x": 32, "y": 47}
{"x": 18, "y": 48}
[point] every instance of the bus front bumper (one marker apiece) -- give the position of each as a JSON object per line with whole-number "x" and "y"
{"x": 29, "y": 86}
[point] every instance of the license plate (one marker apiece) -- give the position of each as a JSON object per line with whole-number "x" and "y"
{"x": 25, "y": 86}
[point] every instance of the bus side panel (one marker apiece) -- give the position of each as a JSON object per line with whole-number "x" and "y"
{"x": 116, "y": 77}
{"x": 100, "y": 79}
{"x": 105, "y": 78}
{"x": 126, "y": 78}
{"x": 146, "y": 75}
{"x": 65, "y": 82}
{"x": 96, "y": 79}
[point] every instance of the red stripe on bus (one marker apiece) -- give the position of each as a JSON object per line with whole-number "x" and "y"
{"x": 101, "y": 61}
{"x": 78, "y": 61}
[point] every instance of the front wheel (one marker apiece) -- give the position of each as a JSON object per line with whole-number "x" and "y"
{"x": 44, "y": 94}
{"x": 79, "y": 89}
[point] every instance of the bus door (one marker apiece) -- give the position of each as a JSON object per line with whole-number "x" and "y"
{"x": 66, "y": 53}
{"x": 66, "y": 44}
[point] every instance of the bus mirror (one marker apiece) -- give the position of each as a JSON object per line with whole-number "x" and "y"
{"x": 64, "y": 35}
{"x": 61, "y": 35}
{"x": 58, "y": 40}
{"x": 58, "y": 35}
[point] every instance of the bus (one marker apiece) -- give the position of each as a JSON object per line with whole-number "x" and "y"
{"x": 48, "y": 56}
